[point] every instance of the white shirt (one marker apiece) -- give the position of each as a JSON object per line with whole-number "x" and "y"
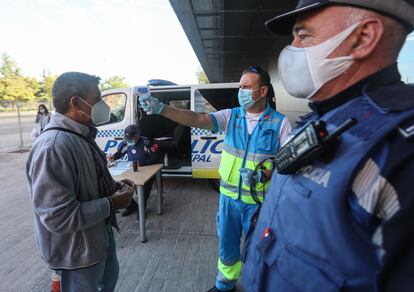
{"x": 223, "y": 118}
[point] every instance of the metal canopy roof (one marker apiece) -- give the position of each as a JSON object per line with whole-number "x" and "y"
{"x": 229, "y": 35}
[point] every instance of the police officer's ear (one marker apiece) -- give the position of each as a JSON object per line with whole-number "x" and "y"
{"x": 366, "y": 37}
{"x": 264, "y": 90}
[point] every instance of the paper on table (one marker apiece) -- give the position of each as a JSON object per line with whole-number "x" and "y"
{"x": 122, "y": 165}
{"x": 115, "y": 172}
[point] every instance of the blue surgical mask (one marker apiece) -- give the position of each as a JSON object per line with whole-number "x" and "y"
{"x": 245, "y": 97}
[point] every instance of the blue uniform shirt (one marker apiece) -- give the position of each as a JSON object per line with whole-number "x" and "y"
{"x": 140, "y": 151}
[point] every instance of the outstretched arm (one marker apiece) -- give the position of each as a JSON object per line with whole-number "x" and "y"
{"x": 188, "y": 118}
{"x": 181, "y": 116}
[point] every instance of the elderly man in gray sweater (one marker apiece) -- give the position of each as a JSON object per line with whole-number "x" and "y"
{"x": 73, "y": 195}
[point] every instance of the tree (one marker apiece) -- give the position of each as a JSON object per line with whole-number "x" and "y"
{"x": 113, "y": 82}
{"x": 8, "y": 67}
{"x": 14, "y": 86}
{"x": 18, "y": 88}
{"x": 201, "y": 76}
{"x": 44, "y": 92}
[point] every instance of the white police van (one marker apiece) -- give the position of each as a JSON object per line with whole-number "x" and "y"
{"x": 191, "y": 152}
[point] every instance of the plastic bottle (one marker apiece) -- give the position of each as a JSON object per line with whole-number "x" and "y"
{"x": 166, "y": 160}
{"x": 55, "y": 287}
{"x": 135, "y": 165}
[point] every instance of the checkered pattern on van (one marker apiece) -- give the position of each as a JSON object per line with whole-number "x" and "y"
{"x": 198, "y": 131}
{"x": 110, "y": 133}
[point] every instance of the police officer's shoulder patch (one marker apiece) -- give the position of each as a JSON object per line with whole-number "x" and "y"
{"x": 406, "y": 129}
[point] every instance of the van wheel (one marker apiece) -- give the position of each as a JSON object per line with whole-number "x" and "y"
{"x": 215, "y": 184}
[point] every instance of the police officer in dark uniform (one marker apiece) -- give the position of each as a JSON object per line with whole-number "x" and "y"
{"x": 342, "y": 223}
{"x": 140, "y": 149}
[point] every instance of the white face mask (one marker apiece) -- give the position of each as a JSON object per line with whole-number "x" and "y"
{"x": 305, "y": 70}
{"x": 101, "y": 112}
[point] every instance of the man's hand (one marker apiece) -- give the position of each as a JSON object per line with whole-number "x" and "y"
{"x": 123, "y": 197}
{"x": 249, "y": 176}
{"x": 151, "y": 105}
{"x": 110, "y": 157}
{"x": 128, "y": 182}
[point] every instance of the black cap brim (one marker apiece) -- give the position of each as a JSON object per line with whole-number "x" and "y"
{"x": 283, "y": 23}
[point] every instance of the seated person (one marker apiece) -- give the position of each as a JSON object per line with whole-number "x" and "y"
{"x": 141, "y": 149}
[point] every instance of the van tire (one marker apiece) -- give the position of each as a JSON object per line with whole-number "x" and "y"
{"x": 215, "y": 184}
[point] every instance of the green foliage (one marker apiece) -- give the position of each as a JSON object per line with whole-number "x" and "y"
{"x": 8, "y": 67}
{"x": 201, "y": 76}
{"x": 15, "y": 87}
{"x": 113, "y": 82}
{"x": 44, "y": 92}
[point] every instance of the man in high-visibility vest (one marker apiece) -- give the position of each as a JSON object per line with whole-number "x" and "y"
{"x": 254, "y": 131}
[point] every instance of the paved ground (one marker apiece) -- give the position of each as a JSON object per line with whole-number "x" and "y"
{"x": 180, "y": 254}
{"x": 9, "y": 130}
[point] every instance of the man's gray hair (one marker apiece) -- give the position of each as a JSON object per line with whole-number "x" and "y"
{"x": 71, "y": 84}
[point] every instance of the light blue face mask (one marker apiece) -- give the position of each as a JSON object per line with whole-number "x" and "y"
{"x": 245, "y": 97}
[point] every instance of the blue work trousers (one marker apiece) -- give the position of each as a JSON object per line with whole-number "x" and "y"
{"x": 233, "y": 218}
{"x": 100, "y": 277}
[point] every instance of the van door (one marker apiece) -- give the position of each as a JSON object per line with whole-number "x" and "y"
{"x": 206, "y": 146}
{"x": 173, "y": 139}
{"x": 111, "y": 133}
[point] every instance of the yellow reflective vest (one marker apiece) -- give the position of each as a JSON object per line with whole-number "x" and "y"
{"x": 241, "y": 150}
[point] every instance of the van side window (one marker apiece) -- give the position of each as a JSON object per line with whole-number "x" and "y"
{"x": 214, "y": 99}
{"x": 117, "y": 103}
{"x": 183, "y": 104}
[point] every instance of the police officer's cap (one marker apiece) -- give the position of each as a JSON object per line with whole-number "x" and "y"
{"x": 402, "y": 10}
{"x": 131, "y": 131}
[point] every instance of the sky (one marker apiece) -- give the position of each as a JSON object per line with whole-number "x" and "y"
{"x": 406, "y": 60}
{"x": 136, "y": 39}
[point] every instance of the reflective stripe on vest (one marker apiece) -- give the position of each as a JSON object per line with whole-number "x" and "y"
{"x": 262, "y": 143}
